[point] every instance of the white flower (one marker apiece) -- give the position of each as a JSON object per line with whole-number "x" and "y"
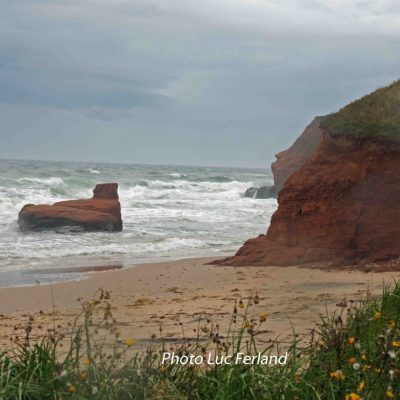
{"x": 392, "y": 354}
{"x": 356, "y": 366}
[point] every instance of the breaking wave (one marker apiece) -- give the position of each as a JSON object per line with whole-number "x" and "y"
{"x": 180, "y": 212}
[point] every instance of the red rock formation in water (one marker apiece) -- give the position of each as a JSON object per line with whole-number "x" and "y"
{"x": 100, "y": 213}
{"x": 292, "y": 159}
{"x": 343, "y": 205}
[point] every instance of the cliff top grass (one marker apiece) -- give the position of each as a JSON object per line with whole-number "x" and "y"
{"x": 375, "y": 116}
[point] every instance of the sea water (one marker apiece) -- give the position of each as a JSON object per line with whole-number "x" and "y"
{"x": 168, "y": 212}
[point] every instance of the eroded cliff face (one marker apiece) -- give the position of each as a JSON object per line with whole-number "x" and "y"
{"x": 342, "y": 205}
{"x": 292, "y": 159}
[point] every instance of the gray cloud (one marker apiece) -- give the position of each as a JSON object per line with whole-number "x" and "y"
{"x": 173, "y": 81}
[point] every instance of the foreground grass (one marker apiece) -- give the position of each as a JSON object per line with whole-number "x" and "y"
{"x": 353, "y": 354}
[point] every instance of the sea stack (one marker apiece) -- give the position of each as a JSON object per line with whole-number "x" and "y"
{"x": 343, "y": 204}
{"x": 100, "y": 213}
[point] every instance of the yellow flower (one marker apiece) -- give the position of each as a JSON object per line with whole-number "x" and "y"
{"x": 365, "y": 367}
{"x": 352, "y": 360}
{"x": 263, "y": 316}
{"x": 378, "y": 370}
{"x": 338, "y": 374}
{"x": 390, "y": 394}
{"x": 395, "y": 343}
{"x": 392, "y": 324}
{"x": 241, "y": 305}
{"x": 353, "y": 396}
{"x": 71, "y": 388}
{"x": 86, "y": 361}
{"x": 363, "y": 357}
{"x": 351, "y": 340}
{"x": 130, "y": 342}
{"x": 361, "y": 386}
{"x": 377, "y": 315}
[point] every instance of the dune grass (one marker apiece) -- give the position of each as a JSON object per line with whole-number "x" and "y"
{"x": 375, "y": 116}
{"x": 352, "y": 354}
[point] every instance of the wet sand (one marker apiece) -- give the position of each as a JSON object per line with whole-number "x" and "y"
{"x": 175, "y": 294}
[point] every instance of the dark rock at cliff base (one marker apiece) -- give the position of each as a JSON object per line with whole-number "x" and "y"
{"x": 100, "y": 213}
{"x": 292, "y": 159}
{"x": 263, "y": 192}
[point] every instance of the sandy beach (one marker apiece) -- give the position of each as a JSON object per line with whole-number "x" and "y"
{"x": 175, "y": 294}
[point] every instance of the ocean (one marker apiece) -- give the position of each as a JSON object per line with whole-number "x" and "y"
{"x": 168, "y": 212}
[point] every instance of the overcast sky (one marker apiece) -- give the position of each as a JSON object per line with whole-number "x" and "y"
{"x": 199, "y": 82}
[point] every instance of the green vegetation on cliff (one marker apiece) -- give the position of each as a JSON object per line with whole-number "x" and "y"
{"x": 376, "y": 115}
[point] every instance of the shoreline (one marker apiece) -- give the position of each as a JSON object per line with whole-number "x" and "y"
{"x": 174, "y": 295}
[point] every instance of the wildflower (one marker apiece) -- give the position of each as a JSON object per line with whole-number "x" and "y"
{"x": 353, "y": 396}
{"x": 263, "y": 317}
{"x": 361, "y": 386}
{"x": 130, "y": 342}
{"x": 366, "y": 367}
{"x": 241, "y": 305}
{"x": 351, "y": 340}
{"x": 389, "y": 393}
{"x": 377, "y": 315}
{"x": 363, "y": 357}
{"x": 391, "y": 354}
{"x": 83, "y": 375}
{"x": 392, "y": 324}
{"x": 356, "y": 366}
{"x": 395, "y": 343}
{"x": 378, "y": 370}
{"x": 71, "y": 388}
{"x": 352, "y": 360}
{"x": 86, "y": 361}
{"x": 338, "y": 374}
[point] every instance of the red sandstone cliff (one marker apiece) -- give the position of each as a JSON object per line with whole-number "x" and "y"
{"x": 342, "y": 205}
{"x": 292, "y": 159}
{"x": 100, "y": 213}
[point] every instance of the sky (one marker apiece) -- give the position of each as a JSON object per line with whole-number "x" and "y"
{"x": 189, "y": 82}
